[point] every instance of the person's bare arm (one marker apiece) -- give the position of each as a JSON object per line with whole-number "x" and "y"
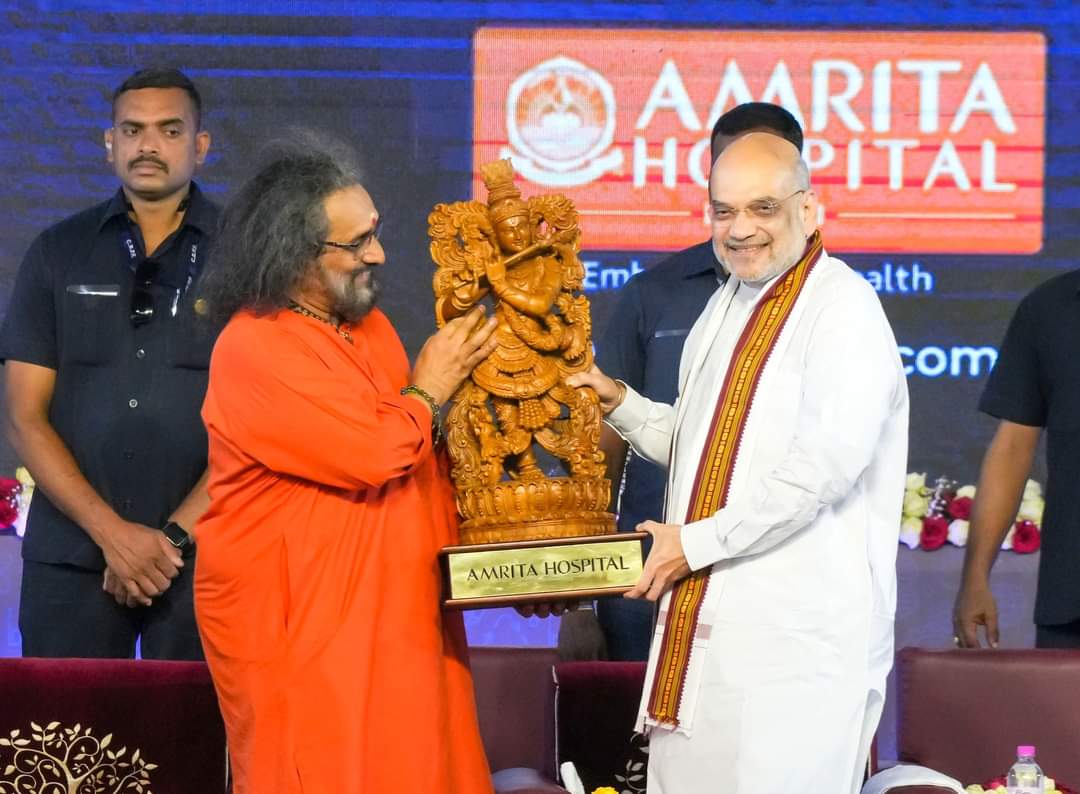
{"x": 1004, "y": 472}
{"x": 140, "y": 556}
{"x": 194, "y": 505}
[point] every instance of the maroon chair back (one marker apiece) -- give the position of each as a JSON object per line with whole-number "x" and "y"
{"x": 155, "y": 714}
{"x": 963, "y": 712}
{"x": 596, "y": 709}
{"x": 515, "y": 701}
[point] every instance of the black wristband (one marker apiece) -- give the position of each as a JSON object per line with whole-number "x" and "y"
{"x": 178, "y": 536}
{"x": 436, "y": 425}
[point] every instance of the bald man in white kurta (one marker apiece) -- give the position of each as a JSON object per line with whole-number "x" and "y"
{"x": 794, "y": 639}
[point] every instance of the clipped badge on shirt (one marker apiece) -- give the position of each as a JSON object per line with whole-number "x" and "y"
{"x": 104, "y": 290}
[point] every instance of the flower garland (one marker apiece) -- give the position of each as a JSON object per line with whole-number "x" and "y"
{"x": 15, "y": 495}
{"x": 935, "y": 516}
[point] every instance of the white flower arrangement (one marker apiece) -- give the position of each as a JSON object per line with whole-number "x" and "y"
{"x": 934, "y": 516}
{"x": 25, "y": 495}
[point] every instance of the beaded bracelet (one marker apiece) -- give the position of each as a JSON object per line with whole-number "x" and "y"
{"x": 436, "y": 425}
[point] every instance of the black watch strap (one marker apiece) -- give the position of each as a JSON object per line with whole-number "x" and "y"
{"x": 177, "y": 535}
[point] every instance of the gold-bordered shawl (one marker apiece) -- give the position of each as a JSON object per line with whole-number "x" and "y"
{"x": 713, "y": 477}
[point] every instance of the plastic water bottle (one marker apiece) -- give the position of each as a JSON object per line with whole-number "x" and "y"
{"x": 1025, "y": 777}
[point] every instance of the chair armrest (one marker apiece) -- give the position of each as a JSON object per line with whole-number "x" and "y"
{"x": 521, "y": 780}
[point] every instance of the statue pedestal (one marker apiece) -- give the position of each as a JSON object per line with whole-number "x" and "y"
{"x": 541, "y": 571}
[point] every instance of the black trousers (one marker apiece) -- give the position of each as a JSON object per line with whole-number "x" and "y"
{"x": 628, "y": 628}
{"x": 1064, "y": 635}
{"x": 63, "y": 612}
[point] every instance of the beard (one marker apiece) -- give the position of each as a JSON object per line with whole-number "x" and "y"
{"x": 352, "y": 294}
{"x": 782, "y": 255}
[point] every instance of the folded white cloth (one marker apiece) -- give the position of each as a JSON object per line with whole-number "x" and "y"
{"x": 570, "y": 780}
{"x": 909, "y": 775}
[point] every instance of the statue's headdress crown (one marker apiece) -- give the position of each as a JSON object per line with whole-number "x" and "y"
{"x": 504, "y": 199}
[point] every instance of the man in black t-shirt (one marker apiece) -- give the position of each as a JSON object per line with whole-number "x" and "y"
{"x": 105, "y": 372}
{"x": 1034, "y": 386}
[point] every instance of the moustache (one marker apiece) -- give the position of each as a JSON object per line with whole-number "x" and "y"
{"x": 154, "y": 160}
{"x": 739, "y": 245}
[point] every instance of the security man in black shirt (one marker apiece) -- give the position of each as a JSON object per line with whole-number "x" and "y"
{"x": 106, "y": 359}
{"x": 1034, "y": 388}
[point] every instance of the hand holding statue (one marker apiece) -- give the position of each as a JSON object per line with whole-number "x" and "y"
{"x": 450, "y": 354}
{"x": 611, "y": 392}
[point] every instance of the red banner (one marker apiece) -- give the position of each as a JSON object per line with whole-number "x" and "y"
{"x": 916, "y": 141}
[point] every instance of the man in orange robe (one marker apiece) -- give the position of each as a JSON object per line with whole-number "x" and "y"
{"x": 317, "y": 584}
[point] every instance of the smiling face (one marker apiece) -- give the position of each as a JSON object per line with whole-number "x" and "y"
{"x": 762, "y": 207}
{"x": 154, "y": 144}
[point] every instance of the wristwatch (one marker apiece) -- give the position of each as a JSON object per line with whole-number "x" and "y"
{"x": 178, "y": 536}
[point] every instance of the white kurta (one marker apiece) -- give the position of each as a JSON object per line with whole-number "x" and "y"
{"x": 787, "y": 673}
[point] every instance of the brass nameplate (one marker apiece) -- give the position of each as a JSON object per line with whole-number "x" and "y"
{"x": 544, "y": 570}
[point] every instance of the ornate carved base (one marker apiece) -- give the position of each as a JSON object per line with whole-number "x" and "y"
{"x": 600, "y": 524}
{"x": 515, "y": 510}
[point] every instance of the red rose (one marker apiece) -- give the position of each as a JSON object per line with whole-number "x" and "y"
{"x": 1026, "y": 537}
{"x": 935, "y": 531}
{"x": 990, "y": 785}
{"x": 960, "y": 508}
{"x": 8, "y": 513}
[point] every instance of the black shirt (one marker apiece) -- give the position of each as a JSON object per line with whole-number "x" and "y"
{"x": 642, "y": 345}
{"x": 126, "y": 400}
{"x": 1036, "y": 382}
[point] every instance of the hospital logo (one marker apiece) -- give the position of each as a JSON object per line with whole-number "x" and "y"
{"x": 560, "y": 122}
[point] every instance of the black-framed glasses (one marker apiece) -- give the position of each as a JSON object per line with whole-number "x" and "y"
{"x": 142, "y": 296}
{"x": 762, "y": 209}
{"x": 359, "y": 246}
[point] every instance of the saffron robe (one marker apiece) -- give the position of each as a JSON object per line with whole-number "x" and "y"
{"x": 794, "y": 639}
{"x": 317, "y": 588}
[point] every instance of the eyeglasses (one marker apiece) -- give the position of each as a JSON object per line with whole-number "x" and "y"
{"x": 142, "y": 298}
{"x": 762, "y": 209}
{"x": 362, "y": 244}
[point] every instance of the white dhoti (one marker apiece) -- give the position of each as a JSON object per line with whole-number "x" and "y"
{"x": 776, "y": 730}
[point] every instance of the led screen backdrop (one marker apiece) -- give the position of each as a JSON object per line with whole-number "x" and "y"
{"x": 943, "y": 138}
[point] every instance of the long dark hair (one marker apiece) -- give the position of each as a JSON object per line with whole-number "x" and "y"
{"x": 272, "y": 230}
